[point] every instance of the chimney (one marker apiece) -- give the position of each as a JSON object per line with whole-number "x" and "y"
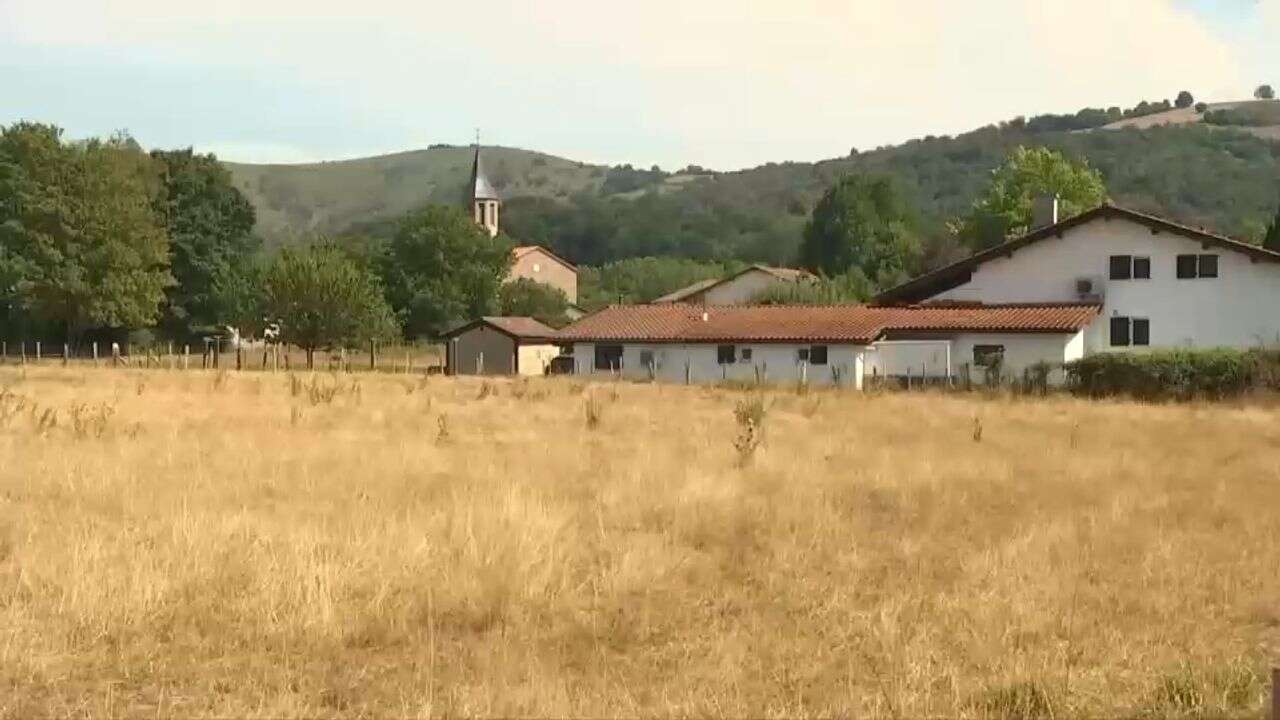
{"x": 1044, "y": 211}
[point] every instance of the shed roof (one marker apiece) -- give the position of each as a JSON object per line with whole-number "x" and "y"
{"x": 518, "y": 328}
{"x": 853, "y": 324}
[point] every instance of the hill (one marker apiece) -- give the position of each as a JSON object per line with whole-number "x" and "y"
{"x": 1218, "y": 176}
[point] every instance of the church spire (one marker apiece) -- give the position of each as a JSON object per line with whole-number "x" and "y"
{"x": 484, "y": 198}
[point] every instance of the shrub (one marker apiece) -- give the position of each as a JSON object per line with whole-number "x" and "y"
{"x": 1175, "y": 374}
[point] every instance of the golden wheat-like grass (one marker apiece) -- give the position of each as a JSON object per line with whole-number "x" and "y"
{"x": 217, "y": 544}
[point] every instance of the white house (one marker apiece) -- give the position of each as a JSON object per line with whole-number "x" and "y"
{"x": 817, "y": 344}
{"x": 739, "y": 288}
{"x": 1159, "y": 283}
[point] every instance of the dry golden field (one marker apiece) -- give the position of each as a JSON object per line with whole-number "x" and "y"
{"x": 201, "y": 544}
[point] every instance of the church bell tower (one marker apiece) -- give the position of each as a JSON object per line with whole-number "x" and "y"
{"x": 485, "y": 202}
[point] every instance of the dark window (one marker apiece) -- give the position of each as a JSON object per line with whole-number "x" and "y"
{"x": 818, "y": 355}
{"x": 1119, "y": 332}
{"x": 1208, "y": 266}
{"x": 803, "y": 354}
{"x": 1121, "y": 267}
{"x": 1141, "y": 331}
{"x": 725, "y": 354}
{"x": 746, "y": 355}
{"x": 987, "y": 355}
{"x": 608, "y": 357}
{"x": 646, "y": 359}
{"x": 1142, "y": 268}
{"x": 1186, "y": 267}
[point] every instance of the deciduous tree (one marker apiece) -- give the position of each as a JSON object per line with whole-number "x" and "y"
{"x": 524, "y": 297}
{"x": 1027, "y": 173}
{"x": 862, "y": 223}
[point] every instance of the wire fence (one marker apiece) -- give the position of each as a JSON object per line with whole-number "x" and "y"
{"x": 212, "y": 355}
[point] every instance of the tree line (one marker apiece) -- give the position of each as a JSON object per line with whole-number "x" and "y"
{"x": 100, "y": 240}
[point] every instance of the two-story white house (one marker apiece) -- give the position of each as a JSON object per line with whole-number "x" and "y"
{"x": 1160, "y": 283}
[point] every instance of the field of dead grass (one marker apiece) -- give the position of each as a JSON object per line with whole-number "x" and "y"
{"x": 265, "y": 545}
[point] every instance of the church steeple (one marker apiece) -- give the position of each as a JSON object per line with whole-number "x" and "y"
{"x": 485, "y": 202}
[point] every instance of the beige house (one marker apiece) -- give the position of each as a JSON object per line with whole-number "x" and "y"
{"x": 740, "y": 288}
{"x": 500, "y": 346}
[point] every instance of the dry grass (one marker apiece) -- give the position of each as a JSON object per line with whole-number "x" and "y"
{"x": 408, "y": 547}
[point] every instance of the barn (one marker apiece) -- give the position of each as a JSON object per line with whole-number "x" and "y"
{"x": 500, "y": 346}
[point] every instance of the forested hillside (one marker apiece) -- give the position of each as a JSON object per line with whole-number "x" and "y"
{"x": 1219, "y": 177}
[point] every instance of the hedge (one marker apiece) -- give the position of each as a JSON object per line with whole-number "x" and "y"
{"x": 1175, "y": 374}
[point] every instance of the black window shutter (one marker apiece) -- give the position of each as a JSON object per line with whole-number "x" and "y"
{"x": 818, "y": 355}
{"x": 1186, "y": 266}
{"x": 1120, "y": 265}
{"x": 1142, "y": 268}
{"x": 1141, "y": 331}
{"x": 1209, "y": 266}
{"x": 1119, "y": 332}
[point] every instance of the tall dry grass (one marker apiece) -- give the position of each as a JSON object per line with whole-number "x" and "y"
{"x": 204, "y": 544}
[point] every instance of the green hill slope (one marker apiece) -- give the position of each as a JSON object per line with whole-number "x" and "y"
{"x": 1219, "y": 177}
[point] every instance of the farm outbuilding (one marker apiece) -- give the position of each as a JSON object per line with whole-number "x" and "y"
{"x": 500, "y": 346}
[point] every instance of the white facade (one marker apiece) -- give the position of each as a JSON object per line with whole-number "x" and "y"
{"x": 954, "y": 355}
{"x": 741, "y": 289}
{"x": 753, "y": 362}
{"x": 1239, "y": 308}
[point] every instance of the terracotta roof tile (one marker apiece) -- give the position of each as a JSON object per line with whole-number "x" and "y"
{"x": 855, "y": 324}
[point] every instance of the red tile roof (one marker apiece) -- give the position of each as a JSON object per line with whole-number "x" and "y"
{"x": 853, "y": 324}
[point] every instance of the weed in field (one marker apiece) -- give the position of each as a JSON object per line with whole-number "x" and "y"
{"x": 485, "y": 390}
{"x": 46, "y": 422}
{"x": 977, "y": 429}
{"x": 442, "y": 429}
{"x": 220, "y": 379}
{"x": 322, "y": 393}
{"x": 749, "y": 414}
{"x": 296, "y": 386}
{"x": 295, "y": 416}
{"x": 1025, "y": 700}
{"x": 594, "y": 412}
{"x": 91, "y": 421}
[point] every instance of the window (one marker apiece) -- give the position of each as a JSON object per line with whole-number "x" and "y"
{"x": 608, "y": 357}
{"x": 726, "y": 354}
{"x": 646, "y": 359}
{"x": 1141, "y": 331}
{"x": 1129, "y": 267}
{"x": 1121, "y": 267}
{"x": 1126, "y": 331}
{"x": 1119, "y": 332}
{"x": 818, "y": 355}
{"x": 802, "y": 354}
{"x": 988, "y": 355}
{"x": 744, "y": 355}
{"x": 1194, "y": 266}
{"x": 1142, "y": 268}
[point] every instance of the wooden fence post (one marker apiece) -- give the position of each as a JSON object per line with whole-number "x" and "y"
{"x": 23, "y": 359}
{"x": 373, "y": 357}
{"x": 408, "y": 362}
{"x": 4, "y": 352}
{"x": 186, "y": 357}
{"x": 66, "y": 354}
{"x": 95, "y": 353}
{"x": 239, "y": 358}
{"x": 169, "y": 355}
{"x": 1275, "y": 693}
{"x": 38, "y": 354}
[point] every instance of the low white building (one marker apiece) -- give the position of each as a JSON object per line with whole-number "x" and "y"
{"x": 820, "y": 345}
{"x": 739, "y": 288}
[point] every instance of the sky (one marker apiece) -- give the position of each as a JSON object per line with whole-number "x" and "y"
{"x": 725, "y": 84}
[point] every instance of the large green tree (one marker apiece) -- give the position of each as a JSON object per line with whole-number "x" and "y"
{"x": 80, "y": 229}
{"x": 323, "y": 299}
{"x": 1027, "y": 173}
{"x": 525, "y": 297}
{"x": 642, "y": 279}
{"x": 862, "y": 223}
{"x": 442, "y": 269}
{"x": 210, "y": 226}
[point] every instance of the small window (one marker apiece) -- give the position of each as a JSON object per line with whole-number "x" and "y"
{"x": 537, "y": 267}
{"x": 646, "y": 359}
{"x": 744, "y": 355}
{"x": 1141, "y": 331}
{"x": 1142, "y": 268}
{"x": 726, "y": 354}
{"x": 802, "y": 354}
{"x": 1119, "y": 332}
{"x": 818, "y": 355}
{"x": 1121, "y": 267}
{"x": 1208, "y": 266}
{"x": 1186, "y": 267}
{"x": 987, "y": 355}
{"x": 608, "y": 357}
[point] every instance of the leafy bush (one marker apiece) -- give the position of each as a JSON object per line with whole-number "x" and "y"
{"x": 1175, "y": 374}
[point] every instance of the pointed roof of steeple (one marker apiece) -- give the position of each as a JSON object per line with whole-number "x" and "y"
{"x": 480, "y": 187}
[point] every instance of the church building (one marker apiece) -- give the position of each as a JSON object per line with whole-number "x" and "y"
{"x": 529, "y": 261}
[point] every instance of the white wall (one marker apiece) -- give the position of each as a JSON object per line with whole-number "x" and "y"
{"x": 771, "y": 362}
{"x": 930, "y": 357}
{"x": 1239, "y": 308}
{"x": 534, "y": 359}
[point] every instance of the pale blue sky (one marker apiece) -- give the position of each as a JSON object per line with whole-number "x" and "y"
{"x": 721, "y": 83}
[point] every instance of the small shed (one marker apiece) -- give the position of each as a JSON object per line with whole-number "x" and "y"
{"x": 500, "y": 346}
